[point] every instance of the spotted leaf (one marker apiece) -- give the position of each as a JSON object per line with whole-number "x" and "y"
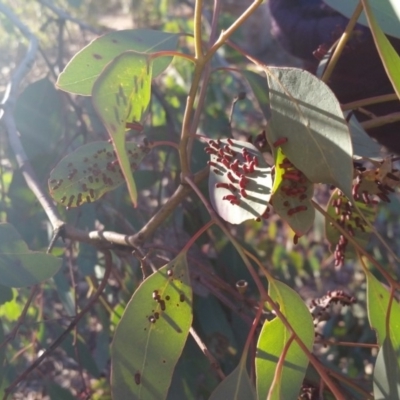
{"x": 292, "y": 195}
{"x": 120, "y": 97}
{"x": 240, "y": 181}
{"x": 84, "y": 68}
{"x": 307, "y": 121}
{"x": 150, "y": 336}
{"x": 89, "y": 172}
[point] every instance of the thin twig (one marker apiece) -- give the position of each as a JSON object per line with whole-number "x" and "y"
{"x": 165, "y": 211}
{"x": 370, "y": 100}
{"x": 342, "y": 43}
{"x": 214, "y": 363}
{"x": 383, "y": 120}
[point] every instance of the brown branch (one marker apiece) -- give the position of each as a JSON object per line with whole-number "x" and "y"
{"x": 383, "y": 120}
{"x": 214, "y": 363}
{"x": 370, "y": 100}
{"x": 165, "y": 211}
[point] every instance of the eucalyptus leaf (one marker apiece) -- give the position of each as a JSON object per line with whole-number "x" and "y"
{"x": 120, "y": 96}
{"x": 151, "y": 334}
{"x": 387, "y": 53}
{"x": 274, "y": 337}
{"x": 89, "y": 172}
{"x": 307, "y": 122}
{"x": 387, "y": 373}
{"x": 236, "y": 386}
{"x": 85, "y": 67}
{"x": 19, "y": 266}
{"x": 387, "y": 13}
{"x": 240, "y": 181}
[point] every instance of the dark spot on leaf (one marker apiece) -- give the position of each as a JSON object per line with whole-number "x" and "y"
{"x": 70, "y": 201}
{"x": 114, "y": 40}
{"x": 181, "y": 297}
{"x": 88, "y": 199}
{"x": 164, "y": 361}
{"x": 162, "y": 305}
{"x": 167, "y": 298}
{"x": 97, "y": 56}
{"x": 137, "y": 378}
{"x": 90, "y": 179}
{"x": 79, "y": 199}
{"x": 116, "y": 114}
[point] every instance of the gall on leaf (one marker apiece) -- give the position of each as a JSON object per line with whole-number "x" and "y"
{"x": 89, "y": 172}
{"x": 240, "y": 181}
{"x": 347, "y": 216}
{"x": 292, "y": 194}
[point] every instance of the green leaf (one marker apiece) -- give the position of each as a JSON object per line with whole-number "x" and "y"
{"x": 291, "y": 195}
{"x": 39, "y": 118}
{"x": 306, "y": 112}
{"x": 253, "y": 195}
{"x": 20, "y": 267}
{"x": 236, "y": 386}
{"x": 387, "y": 13}
{"x": 378, "y": 302}
{"x": 261, "y": 91}
{"x": 363, "y": 144}
{"x": 151, "y": 334}
{"x": 89, "y": 172}
{"x": 193, "y": 377}
{"x": 121, "y": 94}
{"x": 2, "y": 355}
{"x": 6, "y": 294}
{"x": 272, "y": 340}
{"x": 387, "y": 373}
{"x": 389, "y": 56}
{"x": 84, "y": 68}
